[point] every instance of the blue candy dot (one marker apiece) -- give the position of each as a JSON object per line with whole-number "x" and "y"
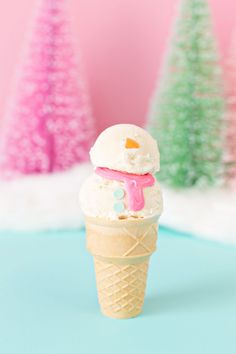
{"x": 119, "y": 207}
{"x": 119, "y": 193}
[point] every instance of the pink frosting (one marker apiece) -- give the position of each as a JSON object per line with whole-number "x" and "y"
{"x": 134, "y": 185}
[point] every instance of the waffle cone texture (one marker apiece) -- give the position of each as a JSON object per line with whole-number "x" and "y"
{"x": 121, "y": 251}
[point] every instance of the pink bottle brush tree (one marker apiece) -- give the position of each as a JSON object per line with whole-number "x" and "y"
{"x": 230, "y": 158}
{"x": 49, "y": 126}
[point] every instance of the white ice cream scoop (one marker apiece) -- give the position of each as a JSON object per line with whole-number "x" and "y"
{"x": 127, "y": 148}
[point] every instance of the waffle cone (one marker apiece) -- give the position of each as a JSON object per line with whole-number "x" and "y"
{"x": 121, "y": 251}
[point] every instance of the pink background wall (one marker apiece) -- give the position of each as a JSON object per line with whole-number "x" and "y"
{"x": 122, "y": 44}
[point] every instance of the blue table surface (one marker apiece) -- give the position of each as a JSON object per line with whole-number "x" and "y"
{"x": 48, "y": 302}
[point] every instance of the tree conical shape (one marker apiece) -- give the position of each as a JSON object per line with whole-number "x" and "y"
{"x": 230, "y": 157}
{"x": 186, "y": 113}
{"x": 49, "y": 126}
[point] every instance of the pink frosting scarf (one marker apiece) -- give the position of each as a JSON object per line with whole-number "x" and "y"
{"x": 134, "y": 185}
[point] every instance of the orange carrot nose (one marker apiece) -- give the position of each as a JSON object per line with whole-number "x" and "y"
{"x": 131, "y": 144}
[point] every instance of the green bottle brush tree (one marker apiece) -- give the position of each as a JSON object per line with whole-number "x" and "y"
{"x": 187, "y": 109}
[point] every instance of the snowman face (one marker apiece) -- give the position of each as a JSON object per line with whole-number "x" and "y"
{"x": 135, "y": 154}
{"x": 126, "y": 148}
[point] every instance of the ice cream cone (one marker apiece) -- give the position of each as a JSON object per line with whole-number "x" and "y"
{"x": 121, "y": 251}
{"x": 122, "y": 202}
